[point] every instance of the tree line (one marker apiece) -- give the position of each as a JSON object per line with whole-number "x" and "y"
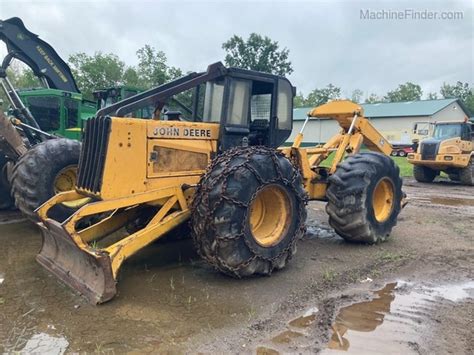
{"x": 257, "y": 52}
{"x": 404, "y": 92}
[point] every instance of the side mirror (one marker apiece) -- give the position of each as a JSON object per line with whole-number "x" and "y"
{"x": 415, "y": 126}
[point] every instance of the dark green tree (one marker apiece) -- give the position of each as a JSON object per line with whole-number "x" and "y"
{"x": 299, "y": 100}
{"x": 153, "y": 69}
{"x": 257, "y": 53}
{"x": 321, "y": 96}
{"x": 21, "y": 77}
{"x": 101, "y": 70}
{"x": 405, "y": 92}
{"x": 461, "y": 91}
{"x": 357, "y": 95}
{"x": 469, "y": 103}
{"x": 130, "y": 78}
{"x": 373, "y": 99}
{"x": 97, "y": 71}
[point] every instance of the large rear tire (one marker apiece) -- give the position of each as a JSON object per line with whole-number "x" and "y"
{"x": 364, "y": 198}
{"x": 249, "y": 211}
{"x": 424, "y": 174}
{"x": 46, "y": 169}
{"x": 466, "y": 175}
{"x": 6, "y": 200}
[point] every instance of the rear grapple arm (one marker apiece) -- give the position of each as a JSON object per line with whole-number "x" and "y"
{"x": 355, "y": 131}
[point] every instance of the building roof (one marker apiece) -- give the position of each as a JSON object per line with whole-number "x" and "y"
{"x": 394, "y": 109}
{"x": 406, "y": 108}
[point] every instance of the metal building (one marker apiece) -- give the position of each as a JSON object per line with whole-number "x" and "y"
{"x": 399, "y": 122}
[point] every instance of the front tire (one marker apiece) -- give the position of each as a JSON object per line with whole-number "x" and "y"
{"x": 454, "y": 176}
{"x": 364, "y": 198}
{"x": 424, "y": 174}
{"x": 466, "y": 175}
{"x": 249, "y": 211}
{"x": 46, "y": 169}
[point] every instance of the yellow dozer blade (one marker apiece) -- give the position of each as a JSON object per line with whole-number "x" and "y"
{"x": 88, "y": 259}
{"x": 90, "y": 274}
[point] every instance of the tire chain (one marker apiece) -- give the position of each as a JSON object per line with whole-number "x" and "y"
{"x": 207, "y": 184}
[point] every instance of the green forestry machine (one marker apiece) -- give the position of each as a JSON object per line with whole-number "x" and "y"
{"x": 39, "y": 147}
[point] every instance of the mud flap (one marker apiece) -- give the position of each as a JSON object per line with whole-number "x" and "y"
{"x": 90, "y": 274}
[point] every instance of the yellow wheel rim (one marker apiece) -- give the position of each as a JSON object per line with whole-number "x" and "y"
{"x": 383, "y": 199}
{"x": 270, "y": 214}
{"x": 66, "y": 181}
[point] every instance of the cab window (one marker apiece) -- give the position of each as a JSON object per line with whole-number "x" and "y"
{"x": 466, "y": 132}
{"x": 213, "y": 101}
{"x": 285, "y": 104}
{"x": 261, "y": 101}
{"x": 72, "y": 112}
{"x": 447, "y": 130}
{"x": 239, "y": 98}
{"x": 45, "y": 110}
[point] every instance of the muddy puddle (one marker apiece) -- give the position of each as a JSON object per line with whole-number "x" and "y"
{"x": 439, "y": 200}
{"x": 392, "y": 320}
{"x": 167, "y": 295}
{"x": 451, "y": 201}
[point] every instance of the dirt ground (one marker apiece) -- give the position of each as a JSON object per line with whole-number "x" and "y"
{"x": 412, "y": 294}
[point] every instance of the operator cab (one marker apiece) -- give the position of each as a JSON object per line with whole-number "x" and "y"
{"x": 463, "y": 130}
{"x": 252, "y": 108}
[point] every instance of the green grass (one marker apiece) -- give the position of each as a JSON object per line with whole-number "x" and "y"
{"x": 406, "y": 169}
{"x": 389, "y": 256}
{"x": 329, "y": 275}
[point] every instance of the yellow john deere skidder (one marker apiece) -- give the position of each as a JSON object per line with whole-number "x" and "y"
{"x": 217, "y": 163}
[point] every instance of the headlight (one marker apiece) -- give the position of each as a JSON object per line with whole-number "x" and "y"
{"x": 411, "y": 156}
{"x": 448, "y": 157}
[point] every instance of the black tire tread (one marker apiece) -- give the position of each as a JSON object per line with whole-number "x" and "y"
{"x": 28, "y": 193}
{"x": 346, "y": 196}
{"x": 466, "y": 175}
{"x": 227, "y": 252}
{"x": 423, "y": 174}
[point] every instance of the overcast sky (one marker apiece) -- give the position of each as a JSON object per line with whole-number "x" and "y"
{"x": 328, "y": 40}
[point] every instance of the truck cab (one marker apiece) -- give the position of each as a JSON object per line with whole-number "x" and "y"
{"x": 449, "y": 149}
